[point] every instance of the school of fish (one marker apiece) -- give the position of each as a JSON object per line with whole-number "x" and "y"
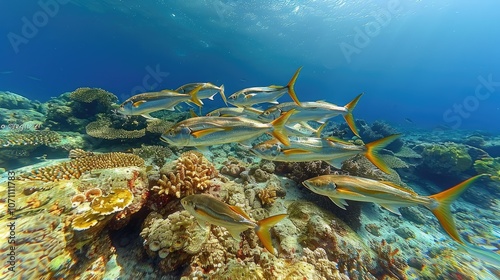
{"x": 294, "y": 139}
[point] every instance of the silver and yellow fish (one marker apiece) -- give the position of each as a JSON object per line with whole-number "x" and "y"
{"x": 247, "y": 112}
{"x": 145, "y": 103}
{"x": 206, "y": 208}
{"x": 319, "y": 111}
{"x": 333, "y": 151}
{"x": 250, "y": 96}
{"x": 390, "y": 196}
{"x": 207, "y": 90}
{"x": 207, "y": 131}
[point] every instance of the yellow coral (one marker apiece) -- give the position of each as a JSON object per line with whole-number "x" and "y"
{"x": 102, "y": 129}
{"x": 192, "y": 174}
{"x": 269, "y": 194}
{"x": 88, "y": 95}
{"x": 112, "y": 203}
{"x": 76, "y": 167}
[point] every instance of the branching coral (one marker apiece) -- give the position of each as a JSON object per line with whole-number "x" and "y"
{"x": 89, "y": 95}
{"x": 388, "y": 261}
{"x": 190, "y": 174}
{"x": 30, "y": 138}
{"x": 102, "y": 129}
{"x": 76, "y": 167}
{"x": 270, "y": 193}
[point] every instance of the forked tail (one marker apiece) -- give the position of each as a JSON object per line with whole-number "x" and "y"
{"x": 374, "y": 147}
{"x": 263, "y": 233}
{"x": 442, "y": 210}
{"x": 349, "y": 118}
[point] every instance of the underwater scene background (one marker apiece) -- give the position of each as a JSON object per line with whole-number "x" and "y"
{"x": 97, "y": 183}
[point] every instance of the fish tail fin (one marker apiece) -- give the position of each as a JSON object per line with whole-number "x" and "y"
{"x": 221, "y": 90}
{"x": 372, "y": 149}
{"x": 262, "y": 230}
{"x": 444, "y": 200}
{"x": 291, "y": 85}
{"x": 349, "y": 118}
{"x": 194, "y": 96}
{"x": 279, "y": 131}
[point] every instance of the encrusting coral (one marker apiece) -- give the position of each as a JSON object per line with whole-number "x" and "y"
{"x": 30, "y": 138}
{"x": 448, "y": 158}
{"x": 489, "y": 166}
{"x": 191, "y": 173}
{"x": 77, "y": 166}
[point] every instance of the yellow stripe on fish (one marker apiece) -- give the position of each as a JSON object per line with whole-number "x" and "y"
{"x": 208, "y": 209}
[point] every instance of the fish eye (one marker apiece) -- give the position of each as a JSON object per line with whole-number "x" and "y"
{"x": 266, "y": 113}
{"x": 232, "y": 97}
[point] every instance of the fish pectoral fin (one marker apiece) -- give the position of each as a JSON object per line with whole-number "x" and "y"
{"x": 339, "y": 202}
{"x": 138, "y": 103}
{"x": 393, "y": 208}
{"x": 247, "y": 144}
{"x": 240, "y": 211}
{"x": 296, "y": 152}
{"x": 148, "y": 116}
{"x": 205, "y": 132}
{"x": 235, "y": 233}
{"x": 336, "y": 162}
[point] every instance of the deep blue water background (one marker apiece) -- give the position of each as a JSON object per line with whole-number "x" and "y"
{"x": 425, "y": 57}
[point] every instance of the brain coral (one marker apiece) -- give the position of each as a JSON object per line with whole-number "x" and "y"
{"x": 190, "y": 173}
{"x": 76, "y": 167}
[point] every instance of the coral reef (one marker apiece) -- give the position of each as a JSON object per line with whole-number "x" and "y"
{"x": 191, "y": 173}
{"x": 360, "y": 166}
{"x": 177, "y": 237}
{"x": 89, "y": 95}
{"x": 389, "y": 264}
{"x": 10, "y": 100}
{"x": 446, "y": 159}
{"x": 489, "y": 166}
{"x": 378, "y": 130}
{"x": 300, "y": 171}
{"x": 76, "y": 167}
{"x": 102, "y": 129}
{"x": 30, "y": 138}
{"x": 153, "y": 154}
{"x": 270, "y": 193}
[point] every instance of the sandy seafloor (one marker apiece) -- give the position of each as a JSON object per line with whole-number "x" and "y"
{"x": 62, "y": 233}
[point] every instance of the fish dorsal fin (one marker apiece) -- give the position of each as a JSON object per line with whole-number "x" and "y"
{"x": 394, "y": 185}
{"x": 339, "y": 202}
{"x": 393, "y": 208}
{"x": 240, "y": 211}
{"x": 338, "y": 140}
{"x": 138, "y": 103}
{"x": 205, "y": 132}
{"x": 288, "y": 152}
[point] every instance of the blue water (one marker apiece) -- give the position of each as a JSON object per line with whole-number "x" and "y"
{"x": 415, "y": 60}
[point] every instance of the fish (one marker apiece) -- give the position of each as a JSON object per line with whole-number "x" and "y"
{"x": 319, "y": 111}
{"x": 208, "y": 209}
{"x": 487, "y": 256}
{"x": 208, "y": 131}
{"x": 390, "y": 196}
{"x": 255, "y": 95}
{"x": 248, "y": 112}
{"x": 145, "y": 103}
{"x": 331, "y": 150}
{"x": 208, "y": 90}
